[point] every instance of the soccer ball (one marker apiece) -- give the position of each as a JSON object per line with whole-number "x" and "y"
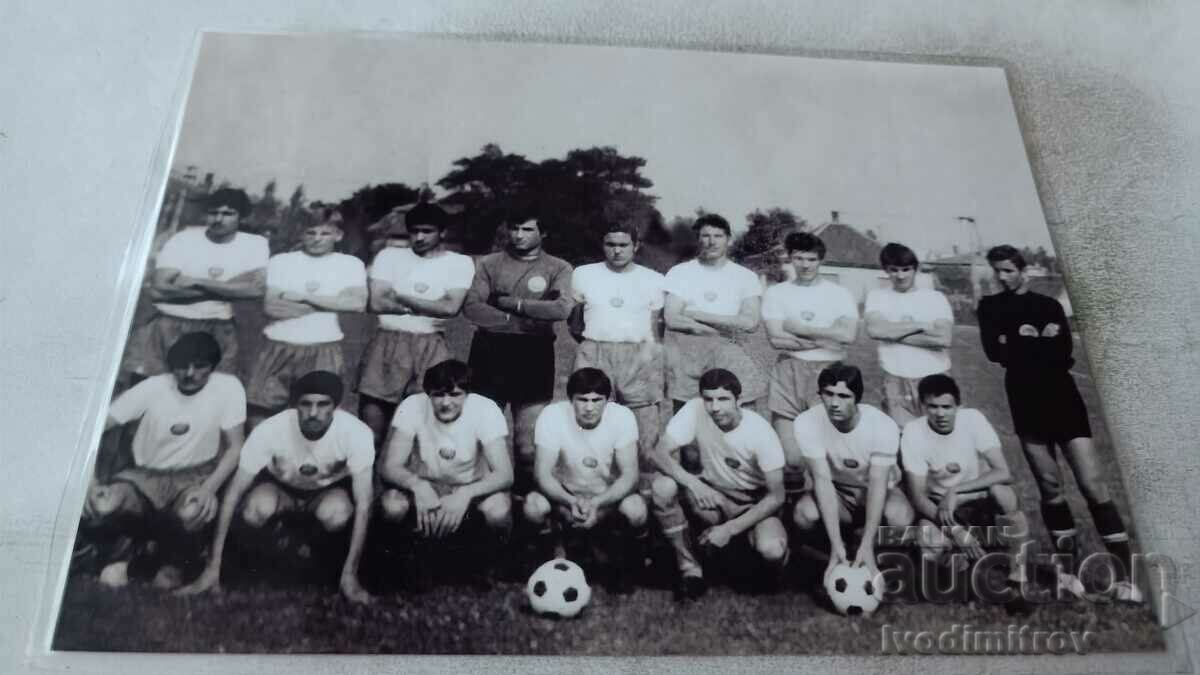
{"x": 854, "y": 590}
{"x": 558, "y": 588}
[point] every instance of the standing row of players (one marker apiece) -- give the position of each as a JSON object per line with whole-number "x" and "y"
{"x": 709, "y": 306}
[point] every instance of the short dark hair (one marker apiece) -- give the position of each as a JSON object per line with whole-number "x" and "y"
{"x": 842, "y": 372}
{"x": 426, "y": 214}
{"x": 234, "y": 197}
{"x": 321, "y": 382}
{"x": 623, "y": 227}
{"x": 1005, "y": 252}
{"x": 719, "y": 378}
{"x": 447, "y": 376}
{"x": 195, "y": 347}
{"x": 589, "y": 381}
{"x": 897, "y": 255}
{"x": 712, "y": 220}
{"x": 932, "y": 386}
{"x": 805, "y": 242}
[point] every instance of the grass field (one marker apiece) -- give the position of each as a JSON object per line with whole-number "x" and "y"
{"x": 452, "y": 619}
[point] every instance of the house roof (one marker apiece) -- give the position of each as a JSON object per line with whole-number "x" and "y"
{"x": 845, "y": 245}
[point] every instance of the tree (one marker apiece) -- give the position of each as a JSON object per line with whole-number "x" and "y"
{"x": 367, "y": 205}
{"x": 491, "y": 187}
{"x": 266, "y": 209}
{"x": 765, "y": 231}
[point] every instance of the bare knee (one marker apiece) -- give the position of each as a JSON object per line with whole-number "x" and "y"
{"x": 191, "y": 516}
{"x": 897, "y": 510}
{"x": 104, "y": 501}
{"x": 394, "y": 505}
{"x": 1005, "y": 498}
{"x": 497, "y": 510}
{"x": 805, "y": 515}
{"x": 664, "y": 491}
{"x": 335, "y": 511}
{"x": 771, "y": 543}
{"x": 260, "y": 506}
{"x": 536, "y": 508}
{"x": 633, "y": 508}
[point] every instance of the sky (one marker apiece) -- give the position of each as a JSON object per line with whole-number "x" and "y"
{"x": 903, "y": 149}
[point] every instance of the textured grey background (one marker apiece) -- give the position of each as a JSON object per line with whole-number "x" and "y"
{"x": 1108, "y": 94}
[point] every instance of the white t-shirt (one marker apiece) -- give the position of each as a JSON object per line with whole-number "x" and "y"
{"x": 918, "y": 304}
{"x": 819, "y": 305}
{"x": 738, "y": 459}
{"x": 195, "y": 255}
{"x": 428, "y": 277}
{"x": 449, "y": 453}
{"x": 618, "y": 305}
{"x": 874, "y": 440}
{"x": 178, "y": 431}
{"x": 586, "y": 457}
{"x": 299, "y": 272}
{"x": 277, "y": 445}
{"x": 717, "y": 290}
{"x": 948, "y": 459}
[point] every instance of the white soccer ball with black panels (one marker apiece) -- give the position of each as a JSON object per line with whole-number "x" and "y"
{"x": 558, "y": 588}
{"x": 854, "y": 591}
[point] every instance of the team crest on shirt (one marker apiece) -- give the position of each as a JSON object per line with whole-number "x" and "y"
{"x": 851, "y": 463}
{"x": 710, "y": 296}
{"x": 180, "y": 428}
{"x": 732, "y": 463}
{"x": 617, "y": 301}
{"x": 807, "y": 316}
{"x": 953, "y": 467}
{"x": 312, "y": 286}
{"x": 215, "y": 272}
{"x": 309, "y": 470}
{"x": 590, "y": 462}
{"x": 420, "y": 287}
{"x": 446, "y": 453}
{"x": 536, "y": 284}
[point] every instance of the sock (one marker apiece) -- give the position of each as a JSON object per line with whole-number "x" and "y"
{"x": 1113, "y": 534}
{"x": 1061, "y": 525}
{"x": 675, "y": 529}
{"x": 1014, "y": 532}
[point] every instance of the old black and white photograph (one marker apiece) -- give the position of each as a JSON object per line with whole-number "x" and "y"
{"x": 464, "y": 347}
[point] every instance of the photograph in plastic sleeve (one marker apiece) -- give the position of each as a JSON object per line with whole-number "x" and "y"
{"x": 453, "y": 347}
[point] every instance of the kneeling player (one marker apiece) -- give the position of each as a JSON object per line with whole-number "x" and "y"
{"x": 739, "y": 489}
{"x": 958, "y": 478}
{"x": 850, "y": 448}
{"x": 310, "y": 451}
{"x": 586, "y": 469}
{"x": 178, "y": 468}
{"x": 438, "y": 487}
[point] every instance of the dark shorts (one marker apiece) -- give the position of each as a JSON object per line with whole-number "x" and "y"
{"x": 162, "y": 488}
{"x": 975, "y": 509}
{"x": 146, "y": 353}
{"x": 512, "y": 368}
{"x": 1046, "y": 406}
{"x": 294, "y": 499}
{"x": 394, "y": 363}
{"x": 281, "y": 363}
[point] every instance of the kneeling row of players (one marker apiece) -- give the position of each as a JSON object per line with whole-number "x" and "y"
{"x": 447, "y": 460}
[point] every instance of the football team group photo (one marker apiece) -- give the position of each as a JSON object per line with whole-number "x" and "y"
{"x": 634, "y": 363}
